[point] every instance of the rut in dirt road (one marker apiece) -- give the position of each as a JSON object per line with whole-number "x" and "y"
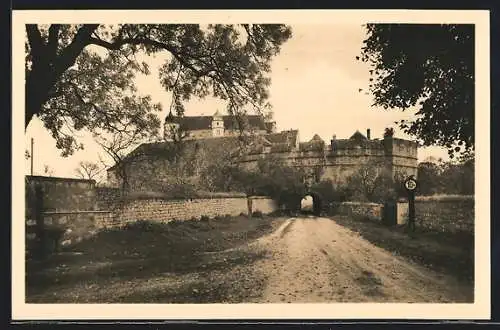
{"x": 317, "y": 260}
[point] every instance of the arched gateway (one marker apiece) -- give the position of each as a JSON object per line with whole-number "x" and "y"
{"x": 311, "y": 203}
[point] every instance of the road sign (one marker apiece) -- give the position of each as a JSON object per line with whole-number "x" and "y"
{"x": 411, "y": 184}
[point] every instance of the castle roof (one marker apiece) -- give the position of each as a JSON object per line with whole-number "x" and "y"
{"x": 358, "y": 136}
{"x": 281, "y": 147}
{"x": 283, "y": 137}
{"x": 315, "y": 144}
{"x": 194, "y": 123}
{"x": 269, "y": 126}
{"x": 316, "y": 137}
{"x": 254, "y": 121}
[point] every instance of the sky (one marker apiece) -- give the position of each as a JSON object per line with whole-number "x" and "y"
{"x": 315, "y": 83}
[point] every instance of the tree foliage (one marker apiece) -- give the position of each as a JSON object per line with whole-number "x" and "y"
{"x": 47, "y": 170}
{"x": 429, "y": 67}
{"x": 271, "y": 177}
{"x": 82, "y": 76}
{"x": 373, "y": 185}
{"x": 120, "y": 144}
{"x": 451, "y": 178}
{"x": 284, "y": 183}
{"x": 88, "y": 170}
{"x": 429, "y": 178}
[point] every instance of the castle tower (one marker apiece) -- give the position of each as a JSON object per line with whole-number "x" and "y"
{"x": 170, "y": 127}
{"x": 270, "y": 126}
{"x": 217, "y": 124}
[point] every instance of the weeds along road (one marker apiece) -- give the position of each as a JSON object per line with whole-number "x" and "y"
{"x": 316, "y": 260}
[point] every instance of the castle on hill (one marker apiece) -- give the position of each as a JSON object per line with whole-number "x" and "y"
{"x": 217, "y": 125}
{"x": 215, "y": 137}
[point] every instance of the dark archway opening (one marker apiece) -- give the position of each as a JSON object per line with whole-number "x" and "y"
{"x": 311, "y": 204}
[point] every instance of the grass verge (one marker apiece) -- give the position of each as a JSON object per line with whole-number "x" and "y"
{"x": 450, "y": 253}
{"x": 147, "y": 262}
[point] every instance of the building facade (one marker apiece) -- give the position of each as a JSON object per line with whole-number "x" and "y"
{"x": 217, "y": 125}
{"x": 341, "y": 158}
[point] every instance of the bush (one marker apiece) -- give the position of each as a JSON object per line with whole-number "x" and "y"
{"x": 445, "y": 198}
{"x": 175, "y": 222}
{"x": 144, "y": 225}
{"x": 361, "y": 217}
{"x": 205, "y": 218}
{"x": 277, "y": 213}
{"x": 179, "y": 191}
{"x": 326, "y": 190}
{"x": 243, "y": 214}
{"x": 370, "y": 185}
{"x": 332, "y": 208}
{"x": 257, "y": 214}
{"x": 227, "y": 219}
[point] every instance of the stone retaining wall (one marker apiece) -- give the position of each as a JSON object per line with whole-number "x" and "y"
{"x": 79, "y": 209}
{"x": 263, "y": 204}
{"x": 372, "y": 211}
{"x": 445, "y": 215}
{"x": 161, "y": 210}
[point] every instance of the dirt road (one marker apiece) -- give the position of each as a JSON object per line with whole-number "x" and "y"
{"x": 295, "y": 260}
{"x": 316, "y": 260}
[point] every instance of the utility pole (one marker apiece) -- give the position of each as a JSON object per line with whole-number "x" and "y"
{"x": 32, "y": 156}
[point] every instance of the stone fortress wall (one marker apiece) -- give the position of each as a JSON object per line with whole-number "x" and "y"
{"x": 338, "y": 163}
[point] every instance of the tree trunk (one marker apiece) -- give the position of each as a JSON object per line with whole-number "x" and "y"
{"x": 48, "y": 67}
{"x": 32, "y": 97}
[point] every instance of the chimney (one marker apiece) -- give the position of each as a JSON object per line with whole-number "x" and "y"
{"x": 368, "y": 133}
{"x": 334, "y": 143}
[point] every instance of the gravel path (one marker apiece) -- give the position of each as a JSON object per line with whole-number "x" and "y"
{"x": 316, "y": 260}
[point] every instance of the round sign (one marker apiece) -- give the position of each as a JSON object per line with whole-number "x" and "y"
{"x": 411, "y": 184}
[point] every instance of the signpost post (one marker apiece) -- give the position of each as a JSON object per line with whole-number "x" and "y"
{"x": 411, "y": 186}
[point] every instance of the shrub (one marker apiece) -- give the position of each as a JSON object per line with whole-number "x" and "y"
{"x": 277, "y": 213}
{"x": 243, "y": 214}
{"x": 326, "y": 190}
{"x": 362, "y": 217}
{"x": 175, "y": 222}
{"x": 257, "y": 214}
{"x": 147, "y": 225}
{"x": 179, "y": 191}
{"x": 445, "y": 198}
{"x": 332, "y": 208}
{"x": 205, "y": 218}
{"x": 227, "y": 218}
{"x": 371, "y": 185}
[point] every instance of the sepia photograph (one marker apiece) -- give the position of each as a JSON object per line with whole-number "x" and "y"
{"x": 262, "y": 160}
